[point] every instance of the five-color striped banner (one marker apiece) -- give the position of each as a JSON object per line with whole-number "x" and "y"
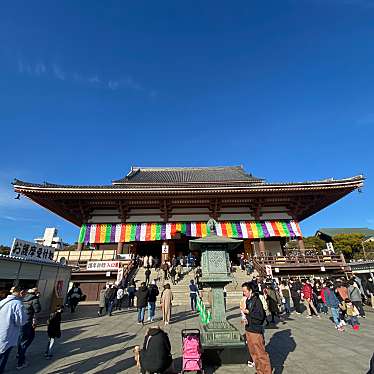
{"x": 129, "y": 232}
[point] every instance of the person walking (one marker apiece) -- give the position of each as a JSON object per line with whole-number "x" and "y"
{"x": 173, "y": 273}
{"x": 110, "y": 295}
{"x": 194, "y": 292}
{"x": 152, "y": 298}
{"x": 101, "y": 301}
{"x": 286, "y": 296}
{"x": 273, "y": 300}
{"x": 131, "y": 294}
{"x": 142, "y": 295}
{"x": 254, "y": 328}
{"x": 370, "y": 290}
{"x": 354, "y": 295}
{"x": 147, "y": 274}
{"x": 53, "y": 330}
{"x": 165, "y": 269}
{"x": 120, "y": 294}
{"x": 333, "y": 303}
{"x": 307, "y": 293}
{"x": 166, "y": 302}
{"x": 12, "y": 318}
{"x": 179, "y": 270}
{"x": 32, "y": 306}
{"x": 74, "y": 296}
{"x": 295, "y": 290}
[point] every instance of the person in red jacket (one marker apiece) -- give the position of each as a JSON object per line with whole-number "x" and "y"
{"x": 307, "y": 293}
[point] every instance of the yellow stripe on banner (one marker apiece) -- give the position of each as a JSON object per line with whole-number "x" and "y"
{"x": 153, "y": 231}
{"x": 280, "y": 228}
{"x": 103, "y": 233}
{"x": 254, "y": 230}
{"x": 178, "y": 227}
{"x": 229, "y": 229}
{"x": 128, "y": 232}
{"x": 203, "y": 230}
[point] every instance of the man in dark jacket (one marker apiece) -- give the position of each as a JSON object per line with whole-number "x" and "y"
{"x": 152, "y": 298}
{"x": 147, "y": 274}
{"x": 155, "y": 357}
{"x": 142, "y": 295}
{"x": 110, "y": 296}
{"x": 295, "y": 288}
{"x": 27, "y": 334}
{"x": 254, "y": 329}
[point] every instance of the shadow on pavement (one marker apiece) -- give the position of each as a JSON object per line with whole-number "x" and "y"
{"x": 279, "y": 347}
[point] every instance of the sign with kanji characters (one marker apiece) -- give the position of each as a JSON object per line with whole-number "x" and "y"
{"x": 103, "y": 265}
{"x": 269, "y": 271}
{"x": 31, "y": 251}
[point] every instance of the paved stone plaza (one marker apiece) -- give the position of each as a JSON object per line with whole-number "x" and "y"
{"x": 104, "y": 345}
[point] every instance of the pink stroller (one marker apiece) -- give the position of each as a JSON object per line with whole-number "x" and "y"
{"x": 191, "y": 351}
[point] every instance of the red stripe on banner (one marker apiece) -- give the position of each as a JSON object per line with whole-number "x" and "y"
{"x": 249, "y": 230}
{"x": 198, "y": 229}
{"x": 173, "y": 229}
{"x": 275, "y": 228}
{"x": 97, "y": 234}
{"x": 123, "y": 233}
{"x": 298, "y": 227}
{"x": 224, "y": 230}
{"x": 148, "y": 231}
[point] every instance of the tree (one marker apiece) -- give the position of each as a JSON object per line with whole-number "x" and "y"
{"x": 310, "y": 242}
{"x": 348, "y": 244}
{"x": 4, "y": 250}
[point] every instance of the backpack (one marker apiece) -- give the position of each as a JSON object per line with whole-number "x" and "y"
{"x": 264, "y": 303}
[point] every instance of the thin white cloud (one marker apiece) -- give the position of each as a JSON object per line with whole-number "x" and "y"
{"x": 58, "y": 72}
{"x": 55, "y": 71}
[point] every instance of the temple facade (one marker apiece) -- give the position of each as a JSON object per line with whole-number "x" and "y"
{"x": 154, "y": 208}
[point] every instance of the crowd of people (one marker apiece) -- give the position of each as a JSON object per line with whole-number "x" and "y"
{"x": 18, "y": 321}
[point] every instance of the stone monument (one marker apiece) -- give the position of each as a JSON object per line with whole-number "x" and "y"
{"x": 215, "y": 265}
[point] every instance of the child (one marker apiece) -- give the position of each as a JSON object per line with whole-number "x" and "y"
{"x": 53, "y": 330}
{"x": 352, "y": 313}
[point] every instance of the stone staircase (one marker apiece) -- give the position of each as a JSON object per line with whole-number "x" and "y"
{"x": 180, "y": 290}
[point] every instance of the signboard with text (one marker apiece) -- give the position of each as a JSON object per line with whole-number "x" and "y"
{"x": 31, "y": 251}
{"x": 103, "y": 265}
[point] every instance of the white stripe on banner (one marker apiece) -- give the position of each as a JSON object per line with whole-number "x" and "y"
{"x": 244, "y": 230}
{"x": 168, "y": 231}
{"x": 193, "y": 228}
{"x": 93, "y": 233}
{"x": 117, "y": 236}
{"x": 295, "y": 229}
{"x": 270, "y": 228}
{"x": 143, "y": 229}
{"x": 219, "y": 229}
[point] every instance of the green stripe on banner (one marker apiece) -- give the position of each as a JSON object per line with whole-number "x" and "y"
{"x": 107, "y": 233}
{"x": 158, "y": 231}
{"x": 234, "y": 230}
{"x": 208, "y": 230}
{"x": 260, "y": 231}
{"x": 285, "y": 228}
{"x": 183, "y": 228}
{"x": 82, "y": 233}
{"x": 133, "y": 232}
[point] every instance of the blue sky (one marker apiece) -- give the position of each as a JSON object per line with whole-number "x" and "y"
{"x": 285, "y": 88}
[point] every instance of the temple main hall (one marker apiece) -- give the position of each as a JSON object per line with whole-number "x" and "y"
{"x": 151, "y": 206}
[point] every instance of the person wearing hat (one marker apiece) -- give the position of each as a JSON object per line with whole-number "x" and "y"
{"x": 32, "y": 306}
{"x": 12, "y": 318}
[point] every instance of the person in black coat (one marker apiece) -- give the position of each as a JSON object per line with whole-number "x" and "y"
{"x": 142, "y": 295}
{"x": 53, "y": 329}
{"x": 155, "y": 356}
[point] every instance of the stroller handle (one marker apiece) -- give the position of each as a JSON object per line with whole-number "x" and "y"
{"x": 190, "y": 331}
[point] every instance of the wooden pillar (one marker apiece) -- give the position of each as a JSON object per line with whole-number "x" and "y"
{"x": 261, "y": 245}
{"x": 301, "y": 245}
{"x": 119, "y": 248}
{"x": 248, "y": 249}
{"x": 79, "y": 246}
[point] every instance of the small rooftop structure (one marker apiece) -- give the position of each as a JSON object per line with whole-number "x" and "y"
{"x": 327, "y": 234}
